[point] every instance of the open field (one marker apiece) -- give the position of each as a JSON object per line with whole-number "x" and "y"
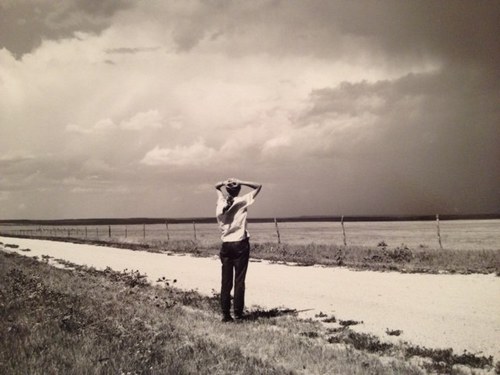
{"x": 81, "y": 320}
{"x": 455, "y": 234}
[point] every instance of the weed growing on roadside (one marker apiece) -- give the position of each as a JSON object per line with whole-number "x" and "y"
{"x": 393, "y": 332}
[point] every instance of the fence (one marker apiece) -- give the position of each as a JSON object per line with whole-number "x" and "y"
{"x": 456, "y": 234}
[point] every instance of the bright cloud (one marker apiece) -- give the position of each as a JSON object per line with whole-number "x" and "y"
{"x": 197, "y": 154}
{"x": 102, "y": 126}
{"x": 143, "y": 120}
{"x": 140, "y": 121}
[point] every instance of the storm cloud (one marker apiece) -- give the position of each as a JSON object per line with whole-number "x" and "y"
{"x": 112, "y": 108}
{"x": 24, "y": 24}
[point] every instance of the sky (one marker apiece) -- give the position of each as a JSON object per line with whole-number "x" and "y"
{"x": 128, "y": 108}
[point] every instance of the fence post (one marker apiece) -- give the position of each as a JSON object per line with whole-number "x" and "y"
{"x": 144, "y": 231}
{"x": 194, "y": 230}
{"x": 438, "y": 231}
{"x": 85, "y": 232}
{"x": 69, "y": 232}
{"x": 97, "y": 232}
{"x": 343, "y": 230}
{"x": 277, "y": 230}
{"x": 168, "y": 233}
{"x": 109, "y": 231}
{"x": 125, "y": 231}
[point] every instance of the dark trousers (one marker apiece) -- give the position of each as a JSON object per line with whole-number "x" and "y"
{"x": 234, "y": 257}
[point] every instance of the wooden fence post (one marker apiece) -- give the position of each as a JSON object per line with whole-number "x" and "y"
{"x": 97, "y": 232}
{"x": 194, "y": 230}
{"x": 168, "y": 233}
{"x": 125, "y": 231}
{"x": 438, "y": 231}
{"x": 277, "y": 230}
{"x": 109, "y": 231}
{"x": 144, "y": 231}
{"x": 85, "y": 232}
{"x": 343, "y": 230}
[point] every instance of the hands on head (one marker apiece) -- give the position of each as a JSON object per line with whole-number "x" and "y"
{"x": 232, "y": 183}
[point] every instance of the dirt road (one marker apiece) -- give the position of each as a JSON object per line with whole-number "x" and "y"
{"x": 436, "y": 311}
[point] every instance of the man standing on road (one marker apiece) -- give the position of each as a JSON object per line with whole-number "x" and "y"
{"x": 231, "y": 215}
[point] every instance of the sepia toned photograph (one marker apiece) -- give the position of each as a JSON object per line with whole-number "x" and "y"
{"x": 250, "y": 187}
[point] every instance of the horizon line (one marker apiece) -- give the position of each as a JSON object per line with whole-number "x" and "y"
{"x": 204, "y": 219}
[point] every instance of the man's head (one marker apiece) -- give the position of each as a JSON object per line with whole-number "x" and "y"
{"x": 233, "y": 188}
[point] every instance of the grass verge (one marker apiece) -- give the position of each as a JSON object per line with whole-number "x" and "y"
{"x": 80, "y": 320}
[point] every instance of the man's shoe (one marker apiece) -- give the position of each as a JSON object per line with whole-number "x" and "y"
{"x": 239, "y": 318}
{"x": 227, "y": 319}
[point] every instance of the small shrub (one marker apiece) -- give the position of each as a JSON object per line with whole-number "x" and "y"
{"x": 444, "y": 359}
{"x": 402, "y": 254}
{"x": 346, "y": 323}
{"x": 310, "y": 334}
{"x": 335, "y": 330}
{"x": 371, "y": 343}
{"x": 395, "y": 332}
{"x": 331, "y": 319}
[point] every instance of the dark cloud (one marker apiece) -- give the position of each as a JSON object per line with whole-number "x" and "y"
{"x": 25, "y": 23}
{"x": 433, "y": 138}
{"x": 128, "y": 50}
{"x": 455, "y": 31}
{"x": 452, "y": 31}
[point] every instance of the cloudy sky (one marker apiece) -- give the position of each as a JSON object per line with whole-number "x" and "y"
{"x": 115, "y": 108}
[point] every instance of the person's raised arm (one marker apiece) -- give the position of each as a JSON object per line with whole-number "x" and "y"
{"x": 254, "y": 185}
{"x": 219, "y": 185}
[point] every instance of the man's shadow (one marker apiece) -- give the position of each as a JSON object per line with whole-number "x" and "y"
{"x": 254, "y": 315}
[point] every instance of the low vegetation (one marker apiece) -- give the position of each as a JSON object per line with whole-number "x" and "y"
{"x": 80, "y": 320}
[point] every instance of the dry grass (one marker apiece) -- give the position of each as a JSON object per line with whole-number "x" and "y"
{"x": 403, "y": 259}
{"x": 80, "y": 320}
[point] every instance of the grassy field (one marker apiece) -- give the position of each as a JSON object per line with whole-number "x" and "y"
{"x": 79, "y": 320}
{"x": 455, "y": 234}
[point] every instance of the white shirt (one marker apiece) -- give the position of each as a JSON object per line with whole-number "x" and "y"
{"x": 233, "y": 222}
